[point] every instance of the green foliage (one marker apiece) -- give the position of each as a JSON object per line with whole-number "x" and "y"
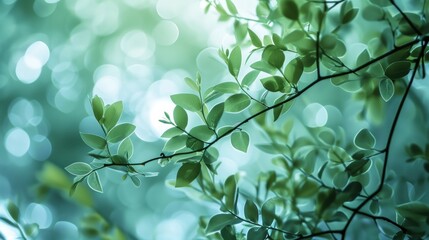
{"x": 316, "y": 178}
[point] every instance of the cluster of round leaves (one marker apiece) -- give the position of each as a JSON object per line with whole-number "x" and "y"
{"x": 115, "y": 136}
{"x": 323, "y": 171}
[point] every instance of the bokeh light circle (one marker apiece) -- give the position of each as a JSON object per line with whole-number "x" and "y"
{"x": 17, "y": 142}
{"x": 315, "y": 115}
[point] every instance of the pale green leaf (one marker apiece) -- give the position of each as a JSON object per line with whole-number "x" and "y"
{"x": 112, "y": 114}
{"x": 97, "y": 107}
{"x": 120, "y": 132}
{"x": 187, "y": 101}
{"x": 187, "y": 173}
{"x": 94, "y": 183}
{"x": 240, "y": 140}
{"x": 234, "y": 61}
{"x": 93, "y": 141}
{"x": 79, "y": 168}
{"x": 215, "y": 115}
{"x": 237, "y": 102}
{"x": 126, "y": 148}
{"x": 180, "y": 117}
{"x": 386, "y": 88}
{"x": 219, "y": 221}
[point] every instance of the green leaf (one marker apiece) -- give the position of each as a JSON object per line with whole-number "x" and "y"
{"x": 307, "y": 189}
{"x": 364, "y": 139}
{"x": 93, "y": 141}
{"x": 415, "y": 210}
{"x": 374, "y": 206}
{"x": 136, "y": 181}
{"x": 289, "y": 9}
{"x": 234, "y": 61}
{"x": 352, "y": 190}
{"x": 112, "y": 115}
{"x": 264, "y": 67}
{"x": 191, "y": 83}
{"x": 93, "y": 181}
{"x": 231, "y": 7}
{"x": 278, "y": 111}
{"x": 175, "y": 143}
{"x": 340, "y": 179}
{"x": 180, "y": 117}
{"x": 13, "y": 211}
{"x": 249, "y": 78}
{"x": 97, "y": 107}
{"x": 187, "y": 101}
{"x": 227, "y": 87}
{"x": 215, "y": 115}
{"x": 256, "y": 233}
{"x": 349, "y": 15}
{"x": 171, "y": 132}
{"x": 78, "y": 168}
{"x": 194, "y": 144}
{"x": 119, "y": 159}
{"x": 240, "y": 31}
{"x": 201, "y": 132}
{"x": 358, "y": 167}
{"x": 254, "y": 39}
{"x": 237, "y": 102}
{"x": 230, "y": 189}
{"x": 386, "y": 88}
{"x": 251, "y": 211}
{"x": 338, "y": 155}
{"x": 120, "y": 132}
{"x": 373, "y": 13}
{"x": 126, "y": 148}
{"x": 273, "y": 83}
{"x": 274, "y": 56}
{"x": 399, "y": 236}
{"x": 328, "y": 41}
{"x": 219, "y": 221}
{"x": 294, "y": 70}
{"x": 31, "y": 230}
{"x": 228, "y": 233}
{"x": 187, "y": 173}
{"x": 240, "y": 140}
{"x": 268, "y": 212}
{"x": 398, "y": 69}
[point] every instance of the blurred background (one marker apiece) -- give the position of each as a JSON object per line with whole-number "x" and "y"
{"x": 56, "y": 54}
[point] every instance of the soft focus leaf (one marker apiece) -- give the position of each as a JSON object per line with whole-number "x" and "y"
{"x": 386, "y": 88}
{"x": 364, "y": 139}
{"x": 13, "y": 211}
{"x": 251, "y": 211}
{"x": 219, "y": 221}
{"x": 398, "y": 69}
{"x": 240, "y": 140}
{"x": 94, "y": 183}
{"x": 187, "y": 173}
